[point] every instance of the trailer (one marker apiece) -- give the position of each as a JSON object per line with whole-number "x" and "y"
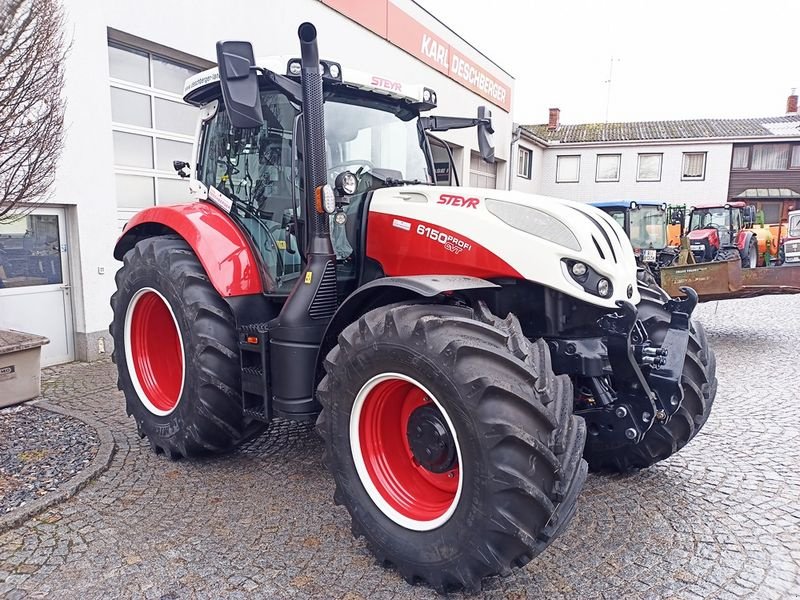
{"x": 722, "y": 280}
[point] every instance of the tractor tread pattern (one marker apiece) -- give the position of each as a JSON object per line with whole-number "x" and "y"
{"x": 528, "y": 507}
{"x": 216, "y": 423}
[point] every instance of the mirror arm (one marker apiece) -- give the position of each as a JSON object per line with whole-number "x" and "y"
{"x": 446, "y": 123}
{"x": 291, "y": 88}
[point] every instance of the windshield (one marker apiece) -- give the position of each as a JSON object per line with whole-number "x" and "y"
{"x": 648, "y": 227}
{"x": 794, "y": 226}
{"x": 703, "y": 218}
{"x": 366, "y": 138}
{"x": 618, "y": 216}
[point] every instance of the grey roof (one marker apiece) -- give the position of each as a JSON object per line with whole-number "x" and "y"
{"x": 768, "y": 193}
{"x": 788, "y": 125}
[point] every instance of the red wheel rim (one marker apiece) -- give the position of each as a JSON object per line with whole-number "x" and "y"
{"x": 154, "y": 349}
{"x": 407, "y": 492}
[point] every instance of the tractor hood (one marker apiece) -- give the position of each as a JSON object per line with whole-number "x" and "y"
{"x": 494, "y": 233}
{"x": 701, "y": 235}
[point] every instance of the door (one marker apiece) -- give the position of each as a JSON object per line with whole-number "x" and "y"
{"x": 34, "y": 281}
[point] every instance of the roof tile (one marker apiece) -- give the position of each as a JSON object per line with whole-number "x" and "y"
{"x": 668, "y": 130}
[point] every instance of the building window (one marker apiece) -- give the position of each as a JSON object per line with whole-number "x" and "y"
{"x": 568, "y": 169}
{"x": 524, "y": 163}
{"x": 795, "y": 162}
{"x": 481, "y": 173}
{"x": 649, "y": 167}
{"x": 770, "y": 157}
{"x": 608, "y": 167}
{"x": 741, "y": 157}
{"x": 151, "y": 126}
{"x": 694, "y": 166}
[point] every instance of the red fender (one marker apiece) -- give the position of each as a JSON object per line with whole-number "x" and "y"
{"x": 223, "y": 249}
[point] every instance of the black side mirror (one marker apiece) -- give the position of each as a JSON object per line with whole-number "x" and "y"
{"x": 239, "y": 81}
{"x": 485, "y": 131}
{"x": 181, "y": 168}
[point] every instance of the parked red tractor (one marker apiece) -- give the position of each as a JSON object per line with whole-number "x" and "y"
{"x": 454, "y": 345}
{"x": 723, "y": 232}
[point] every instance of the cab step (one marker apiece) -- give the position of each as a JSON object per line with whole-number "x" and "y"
{"x": 254, "y": 354}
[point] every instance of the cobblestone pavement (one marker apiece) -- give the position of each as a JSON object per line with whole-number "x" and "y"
{"x": 721, "y": 519}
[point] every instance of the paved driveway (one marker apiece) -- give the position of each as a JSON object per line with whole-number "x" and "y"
{"x": 721, "y": 519}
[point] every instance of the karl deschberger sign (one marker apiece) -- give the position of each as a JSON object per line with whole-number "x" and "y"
{"x": 392, "y": 23}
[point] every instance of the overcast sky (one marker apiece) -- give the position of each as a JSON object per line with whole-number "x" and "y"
{"x": 673, "y": 60}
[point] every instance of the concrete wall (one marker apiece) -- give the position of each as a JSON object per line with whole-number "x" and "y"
{"x": 671, "y": 188}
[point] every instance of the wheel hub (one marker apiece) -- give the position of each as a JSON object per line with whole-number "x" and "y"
{"x": 430, "y": 440}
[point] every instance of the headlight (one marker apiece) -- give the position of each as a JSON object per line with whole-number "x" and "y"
{"x": 579, "y": 269}
{"x": 535, "y": 222}
{"x": 604, "y": 288}
{"x": 346, "y": 182}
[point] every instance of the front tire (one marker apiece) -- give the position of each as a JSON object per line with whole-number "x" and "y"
{"x": 699, "y": 383}
{"x": 176, "y": 351}
{"x": 728, "y": 254}
{"x": 452, "y": 443}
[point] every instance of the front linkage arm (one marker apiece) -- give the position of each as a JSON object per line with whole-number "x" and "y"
{"x": 636, "y": 401}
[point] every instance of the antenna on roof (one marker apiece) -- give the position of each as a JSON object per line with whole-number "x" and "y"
{"x": 612, "y": 60}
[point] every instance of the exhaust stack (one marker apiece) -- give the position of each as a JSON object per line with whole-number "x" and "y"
{"x": 296, "y": 336}
{"x": 314, "y": 139}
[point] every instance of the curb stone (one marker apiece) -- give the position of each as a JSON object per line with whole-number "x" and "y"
{"x": 101, "y": 461}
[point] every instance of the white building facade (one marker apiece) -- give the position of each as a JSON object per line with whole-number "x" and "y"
{"x": 126, "y": 123}
{"x": 677, "y": 162}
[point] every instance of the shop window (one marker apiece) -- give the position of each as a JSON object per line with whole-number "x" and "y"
{"x": 134, "y": 191}
{"x": 568, "y": 169}
{"x": 152, "y": 126}
{"x": 170, "y": 76}
{"x": 170, "y": 150}
{"x": 130, "y": 108}
{"x": 524, "y": 163}
{"x": 175, "y": 117}
{"x": 481, "y": 173}
{"x": 608, "y": 167}
{"x": 129, "y": 65}
{"x": 649, "y": 168}
{"x": 694, "y": 166}
{"x": 133, "y": 150}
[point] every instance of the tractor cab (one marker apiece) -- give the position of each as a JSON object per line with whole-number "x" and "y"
{"x": 714, "y": 228}
{"x": 374, "y": 138}
{"x": 791, "y": 244}
{"x": 646, "y": 223}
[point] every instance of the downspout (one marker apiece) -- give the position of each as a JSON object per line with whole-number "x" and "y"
{"x": 516, "y": 134}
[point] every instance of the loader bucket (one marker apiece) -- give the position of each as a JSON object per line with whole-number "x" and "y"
{"x": 723, "y": 280}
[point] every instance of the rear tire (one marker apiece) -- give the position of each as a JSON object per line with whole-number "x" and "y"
{"x": 699, "y": 383}
{"x": 164, "y": 294}
{"x": 516, "y": 447}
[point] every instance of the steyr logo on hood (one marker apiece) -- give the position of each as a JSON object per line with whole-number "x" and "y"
{"x": 452, "y": 200}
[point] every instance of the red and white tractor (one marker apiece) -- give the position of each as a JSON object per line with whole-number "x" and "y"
{"x": 464, "y": 352}
{"x": 723, "y": 232}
